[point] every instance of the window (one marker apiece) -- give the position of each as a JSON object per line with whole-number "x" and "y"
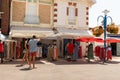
{"x": 31, "y": 16}
{"x": 71, "y": 15}
{"x": 29, "y": 0}
{"x": 34, "y": 1}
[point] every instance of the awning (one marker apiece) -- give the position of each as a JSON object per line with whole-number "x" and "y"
{"x": 72, "y": 33}
{"x": 2, "y": 36}
{"x": 114, "y": 35}
{"x": 27, "y": 32}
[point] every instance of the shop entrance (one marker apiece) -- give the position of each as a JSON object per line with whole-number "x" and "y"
{"x": 114, "y": 49}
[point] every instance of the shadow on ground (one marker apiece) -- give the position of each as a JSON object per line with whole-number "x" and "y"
{"x": 62, "y": 61}
{"x": 82, "y": 61}
{"x": 25, "y": 69}
{"x": 18, "y": 62}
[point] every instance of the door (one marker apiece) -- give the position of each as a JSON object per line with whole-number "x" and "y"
{"x": 114, "y": 48}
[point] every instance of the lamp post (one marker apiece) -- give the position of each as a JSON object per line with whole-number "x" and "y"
{"x": 105, "y": 17}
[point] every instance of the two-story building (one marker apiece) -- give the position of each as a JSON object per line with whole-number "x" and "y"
{"x": 49, "y": 19}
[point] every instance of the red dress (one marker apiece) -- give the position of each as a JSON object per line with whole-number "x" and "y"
{"x": 1, "y": 48}
{"x": 97, "y": 51}
{"x": 102, "y": 53}
{"x": 70, "y": 48}
{"x": 80, "y": 52}
{"x": 109, "y": 54}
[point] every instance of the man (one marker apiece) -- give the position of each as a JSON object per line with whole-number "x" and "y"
{"x": 33, "y": 50}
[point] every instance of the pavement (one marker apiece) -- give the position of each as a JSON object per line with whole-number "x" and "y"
{"x": 62, "y": 70}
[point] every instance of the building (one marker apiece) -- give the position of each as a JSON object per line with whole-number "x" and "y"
{"x": 47, "y": 19}
{"x": 5, "y": 16}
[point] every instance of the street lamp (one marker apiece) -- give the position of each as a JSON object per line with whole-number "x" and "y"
{"x": 105, "y": 17}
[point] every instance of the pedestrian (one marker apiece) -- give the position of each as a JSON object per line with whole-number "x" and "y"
{"x": 33, "y": 50}
{"x": 1, "y": 51}
{"x": 25, "y": 52}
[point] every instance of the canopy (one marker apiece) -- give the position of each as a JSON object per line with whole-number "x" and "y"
{"x": 108, "y": 40}
{"x": 24, "y": 32}
{"x": 94, "y": 39}
{"x": 3, "y": 37}
{"x": 86, "y": 39}
{"x": 72, "y": 33}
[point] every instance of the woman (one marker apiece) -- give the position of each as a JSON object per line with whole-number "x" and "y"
{"x": 25, "y": 51}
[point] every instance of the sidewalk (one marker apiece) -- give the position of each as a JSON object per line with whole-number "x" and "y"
{"x": 62, "y": 70}
{"x": 62, "y": 61}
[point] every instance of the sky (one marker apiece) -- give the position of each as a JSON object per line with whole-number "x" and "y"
{"x": 96, "y": 10}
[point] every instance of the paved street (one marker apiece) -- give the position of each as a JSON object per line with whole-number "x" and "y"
{"x": 62, "y": 70}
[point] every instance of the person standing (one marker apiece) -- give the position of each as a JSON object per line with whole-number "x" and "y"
{"x": 25, "y": 51}
{"x": 1, "y": 51}
{"x": 33, "y": 50}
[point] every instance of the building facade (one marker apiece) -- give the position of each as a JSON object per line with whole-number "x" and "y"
{"x": 47, "y": 19}
{"x": 58, "y": 14}
{"x": 5, "y": 16}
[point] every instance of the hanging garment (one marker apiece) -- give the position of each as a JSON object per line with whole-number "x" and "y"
{"x": 55, "y": 53}
{"x": 109, "y": 53}
{"x": 76, "y": 50}
{"x": 8, "y": 50}
{"x": 39, "y": 52}
{"x": 97, "y": 51}
{"x": 18, "y": 50}
{"x": 90, "y": 51}
{"x": 80, "y": 52}
{"x": 44, "y": 51}
{"x": 70, "y": 48}
{"x": 1, "y": 51}
{"x": 102, "y": 53}
{"x": 5, "y": 49}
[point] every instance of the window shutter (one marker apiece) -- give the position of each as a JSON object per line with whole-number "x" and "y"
{"x": 76, "y": 12}
{"x": 67, "y": 10}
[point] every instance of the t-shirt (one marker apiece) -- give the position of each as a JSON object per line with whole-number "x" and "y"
{"x": 33, "y": 45}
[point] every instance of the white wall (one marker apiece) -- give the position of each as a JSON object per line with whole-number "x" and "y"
{"x": 81, "y": 15}
{"x": 62, "y": 13}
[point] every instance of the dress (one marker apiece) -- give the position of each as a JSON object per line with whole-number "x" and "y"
{"x": 90, "y": 51}
{"x": 70, "y": 48}
{"x": 76, "y": 50}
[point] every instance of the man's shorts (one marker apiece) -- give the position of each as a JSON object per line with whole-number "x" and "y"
{"x": 33, "y": 54}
